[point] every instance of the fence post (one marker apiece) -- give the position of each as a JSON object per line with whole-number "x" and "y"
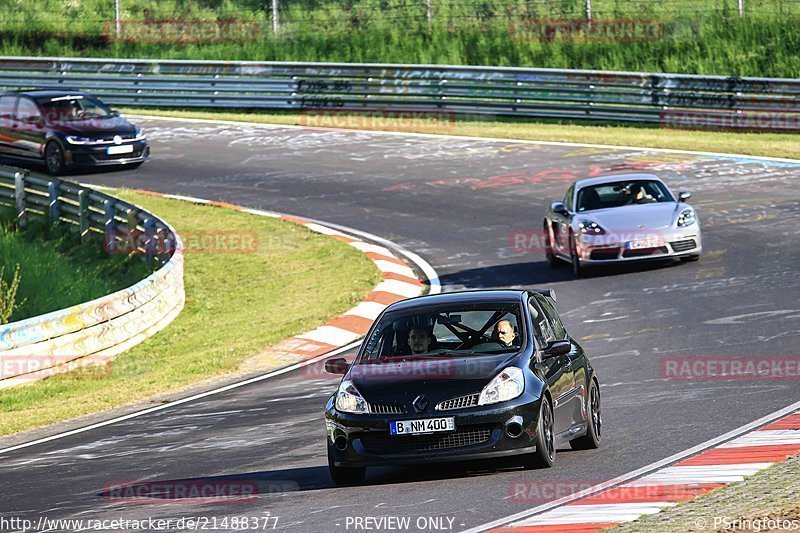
{"x": 19, "y": 196}
{"x": 55, "y": 203}
{"x": 149, "y": 239}
{"x": 589, "y": 9}
{"x": 741, "y": 8}
{"x": 108, "y": 227}
{"x": 275, "y": 23}
{"x": 83, "y": 213}
{"x": 132, "y": 222}
{"x": 428, "y": 13}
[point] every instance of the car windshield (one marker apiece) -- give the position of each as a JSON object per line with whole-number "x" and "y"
{"x": 73, "y": 107}
{"x": 442, "y": 331}
{"x": 621, "y": 193}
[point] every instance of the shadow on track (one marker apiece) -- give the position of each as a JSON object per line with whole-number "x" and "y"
{"x": 540, "y": 273}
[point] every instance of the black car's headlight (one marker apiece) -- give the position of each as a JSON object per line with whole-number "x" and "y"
{"x": 349, "y": 400}
{"x": 687, "y": 218}
{"x": 590, "y": 227}
{"x": 505, "y": 386}
{"x": 75, "y": 139}
{"x": 140, "y": 134}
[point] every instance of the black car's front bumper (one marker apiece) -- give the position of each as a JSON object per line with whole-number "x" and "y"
{"x": 480, "y": 432}
{"x": 88, "y": 155}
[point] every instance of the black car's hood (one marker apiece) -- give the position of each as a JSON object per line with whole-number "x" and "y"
{"x": 96, "y": 128}
{"x": 438, "y": 378}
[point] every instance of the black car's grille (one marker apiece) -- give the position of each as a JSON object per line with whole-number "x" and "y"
{"x": 604, "y": 253}
{"x": 386, "y": 409}
{"x": 461, "y": 402}
{"x": 645, "y": 251}
{"x": 684, "y": 246}
{"x": 381, "y": 443}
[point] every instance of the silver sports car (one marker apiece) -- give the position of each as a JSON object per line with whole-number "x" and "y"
{"x": 627, "y": 217}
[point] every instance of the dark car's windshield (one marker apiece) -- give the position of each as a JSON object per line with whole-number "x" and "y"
{"x": 441, "y": 331}
{"x": 70, "y": 108}
{"x": 620, "y": 193}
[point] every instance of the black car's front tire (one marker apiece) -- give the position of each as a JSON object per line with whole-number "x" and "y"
{"x": 54, "y": 158}
{"x": 545, "y": 454}
{"x": 345, "y": 475}
{"x": 593, "y": 435}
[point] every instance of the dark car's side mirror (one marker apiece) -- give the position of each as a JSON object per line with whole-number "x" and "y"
{"x": 559, "y": 207}
{"x": 554, "y": 348}
{"x": 336, "y": 366}
{"x": 684, "y": 195}
{"x": 115, "y": 113}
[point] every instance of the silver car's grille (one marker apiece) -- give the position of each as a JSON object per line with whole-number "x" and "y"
{"x": 461, "y": 402}
{"x": 684, "y": 246}
{"x": 386, "y": 409}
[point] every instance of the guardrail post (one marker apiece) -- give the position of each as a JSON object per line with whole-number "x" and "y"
{"x": 149, "y": 239}
{"x": 83, "y": 213}
{"x": 108, "y": 227}
{"x": 132, "y": 222}
{"x": 19, "y": 196}
{"x": 55, "y": 203}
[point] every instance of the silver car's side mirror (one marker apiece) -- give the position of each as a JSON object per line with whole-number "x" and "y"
{"x": 684, "y": 195}
{"x": 559, "y": 207}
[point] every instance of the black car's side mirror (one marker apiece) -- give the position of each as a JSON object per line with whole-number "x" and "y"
{"x": 336, "y": 366}
{"x": 559, "y": 207}
{"x": 115, "y": 113}
{"x": 554, "y": 348}
{"x": 684, "y": 195}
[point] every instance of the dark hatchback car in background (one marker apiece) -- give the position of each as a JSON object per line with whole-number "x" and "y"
{"x": 438, "y": 380}
{"x": 64, "y": 129}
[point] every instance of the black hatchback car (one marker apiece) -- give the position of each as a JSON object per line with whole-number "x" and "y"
{"x": 67, "y": 129}
{"x": 461, "y": 376}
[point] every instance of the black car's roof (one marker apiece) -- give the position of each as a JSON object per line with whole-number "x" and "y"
{"x": 447, "y": 298}
{"x": 44, "y": 93}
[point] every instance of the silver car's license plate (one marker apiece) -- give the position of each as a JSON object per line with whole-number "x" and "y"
{"x": 651, "y": 242}
{"x": 419, "y": 427}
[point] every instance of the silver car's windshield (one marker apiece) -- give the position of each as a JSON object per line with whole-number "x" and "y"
{"x": 621, "y": 193}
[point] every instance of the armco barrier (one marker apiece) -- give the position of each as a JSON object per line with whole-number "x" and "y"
{"x": 96, "y": 331}
{"x": 678, "y": 101}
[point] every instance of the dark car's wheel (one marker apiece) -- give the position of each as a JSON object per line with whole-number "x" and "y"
{"x": 343, "y": 475}
{"x": 548, "y": 247}
{"x": 577, "y": 269}
{"x": 595, "y": 424}
{"x": 545, "y": 454}
{"x": 54, "y": 158}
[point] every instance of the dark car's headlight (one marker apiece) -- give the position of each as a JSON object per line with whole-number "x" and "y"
{"x": 590, "y": 227}
{"x": 75, "y": 139}
{"x": 140, "y": 134}
{"x": 505, "y": 386}
{"x": 687, "y": 218}
{"x": 349, "y": 400}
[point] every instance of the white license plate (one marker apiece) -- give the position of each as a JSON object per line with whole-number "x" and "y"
{"x": 419, "y": 427}
{"x": 122, "y": 149}
{"x": 652, "y": 242}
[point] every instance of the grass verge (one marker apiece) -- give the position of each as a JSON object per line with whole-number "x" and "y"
{"x": 57, "y": 270}
{"x": 764, "y": 144}
{"x": 237, "y": 304}
{"x": 771, "y": 494}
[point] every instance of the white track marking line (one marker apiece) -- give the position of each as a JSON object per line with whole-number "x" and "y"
{"x": 636, "y": 473}
{"x": 588, "y": 514}
{"x": 767, "y": 437}
{"x": 330, "y": 335}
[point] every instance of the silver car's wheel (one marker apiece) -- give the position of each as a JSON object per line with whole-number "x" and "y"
{"x": 548, "y": 247}
{"x": 577, "y": 268}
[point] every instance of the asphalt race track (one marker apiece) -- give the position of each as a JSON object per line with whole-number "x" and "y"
{"x": 473, "y": 209}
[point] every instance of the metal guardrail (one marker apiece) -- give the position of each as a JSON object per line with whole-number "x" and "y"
{"x": 670, "y": 99}
{"x": 98, "y": 330}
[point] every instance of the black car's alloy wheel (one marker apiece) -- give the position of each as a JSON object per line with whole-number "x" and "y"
{"x": 545, "y": 454}
{"x": 54, "y": 158}
{"x": 594, "y": 425}
{"x": 343, "y": 475}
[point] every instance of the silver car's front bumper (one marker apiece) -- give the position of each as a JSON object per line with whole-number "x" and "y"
{"x": 602, "y": 249}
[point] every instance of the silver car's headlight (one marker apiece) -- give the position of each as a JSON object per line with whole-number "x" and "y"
{"x": 590, "y": 227}
{"x": 687, "y": 218}
{"x": 349, "y": 400}
{"x": 505, "y": 386}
